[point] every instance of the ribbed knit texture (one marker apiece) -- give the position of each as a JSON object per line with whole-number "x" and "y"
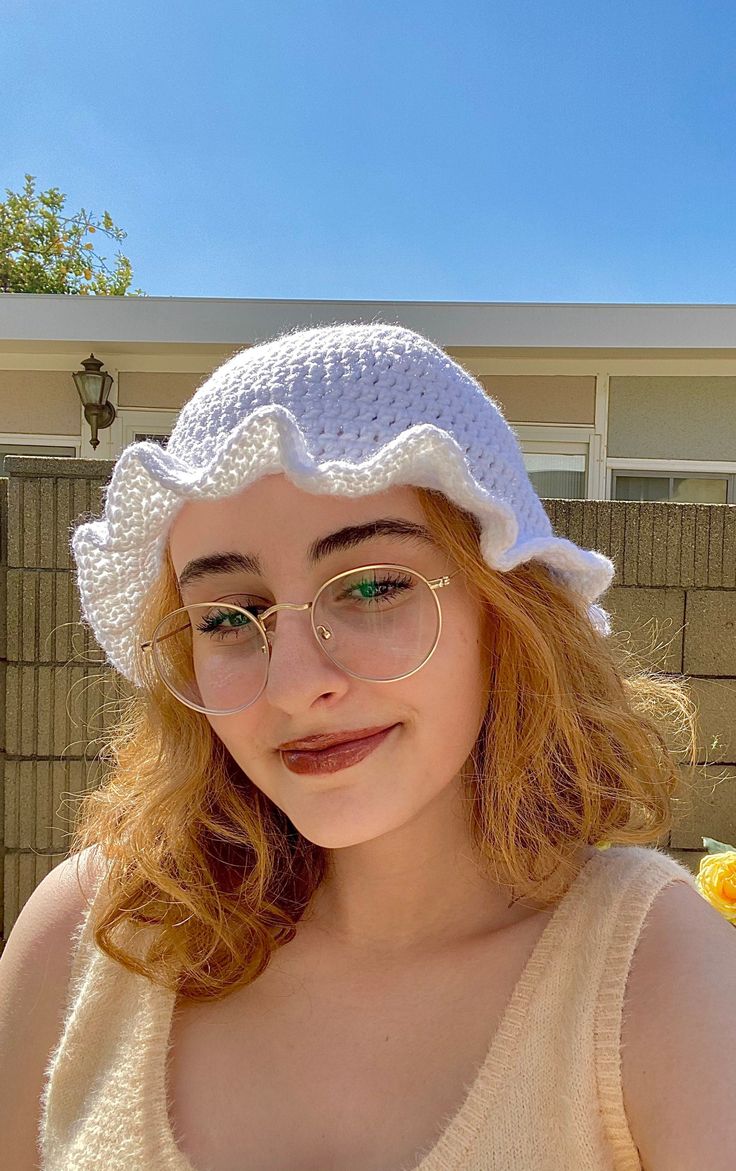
{"x": 343, "y": 410}
{"x": 548, "y": 1096}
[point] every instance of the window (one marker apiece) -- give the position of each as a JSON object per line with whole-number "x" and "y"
{"x": 694, "y": 488}
{"x": 560, "y": 477}
{"x": 557, "y": 457}
{"x": 134, "y": 424}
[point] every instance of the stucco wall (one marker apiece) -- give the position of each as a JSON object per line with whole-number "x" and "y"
{"x": 40, "y": 402}
{"x": 163, "y": 389}
{"x": 690, "y": 418}
{"x": 543, "y": 398}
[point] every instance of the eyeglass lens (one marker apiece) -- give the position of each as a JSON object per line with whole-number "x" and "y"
{"x": 378, "y": 624}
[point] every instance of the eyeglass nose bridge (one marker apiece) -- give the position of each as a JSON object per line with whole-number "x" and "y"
{"x": 322, "y": 630}
{"x": 285, "y": 606}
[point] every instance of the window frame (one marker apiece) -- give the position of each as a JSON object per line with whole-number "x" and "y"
{"x": 148, "y": 420}
{"x": 562, "y": 439}
{"x": 671, "y": 468}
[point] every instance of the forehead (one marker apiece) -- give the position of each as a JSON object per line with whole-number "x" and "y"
{"x": 275, "y": 514}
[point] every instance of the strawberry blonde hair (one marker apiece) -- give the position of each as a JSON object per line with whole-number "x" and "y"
{"x": 573, "y": 750}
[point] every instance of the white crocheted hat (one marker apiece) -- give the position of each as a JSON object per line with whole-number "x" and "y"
{"x": 341, "y": 409}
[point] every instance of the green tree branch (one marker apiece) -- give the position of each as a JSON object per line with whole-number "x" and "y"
{"x": 42, "y": 250}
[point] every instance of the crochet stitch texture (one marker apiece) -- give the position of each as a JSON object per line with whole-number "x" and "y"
{"x": 342, "y": 410}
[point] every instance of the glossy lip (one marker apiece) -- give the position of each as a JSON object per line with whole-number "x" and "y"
{"x": 324, "y": 740}
{"x": 336, "y": 758}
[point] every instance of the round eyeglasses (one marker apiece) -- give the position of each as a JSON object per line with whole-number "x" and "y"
{"x": 380, "y": 623}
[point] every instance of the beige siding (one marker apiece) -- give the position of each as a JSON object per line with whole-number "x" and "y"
{"x": 163, "y": 390}
{"x": 41, "y": 402}
{"x": 542, "y": 398}
{"x": 672, "y": 418}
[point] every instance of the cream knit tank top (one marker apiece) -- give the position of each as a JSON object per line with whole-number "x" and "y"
{"x": 547, "y": 1097}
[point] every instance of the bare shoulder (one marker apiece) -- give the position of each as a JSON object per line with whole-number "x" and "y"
{"x": 54, "y": 908}
{"x": 60, "y": 898}
{"x": 679, "y": 1035}
{"x": 35, "y": 968}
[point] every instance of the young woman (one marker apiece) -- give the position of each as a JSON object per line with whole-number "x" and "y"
{"x": 340, "y": 903}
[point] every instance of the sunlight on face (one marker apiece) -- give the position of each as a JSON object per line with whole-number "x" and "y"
{"x": 439, "y": 708}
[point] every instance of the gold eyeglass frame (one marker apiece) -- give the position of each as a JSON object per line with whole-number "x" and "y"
{"x": 434, "y": 585}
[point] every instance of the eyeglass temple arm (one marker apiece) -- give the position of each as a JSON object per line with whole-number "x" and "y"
{"x": 146, "y": 645}
{"x": 439, "y": 582}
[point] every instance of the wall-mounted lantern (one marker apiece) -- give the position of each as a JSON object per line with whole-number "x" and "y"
{"x": 94, "y": 385}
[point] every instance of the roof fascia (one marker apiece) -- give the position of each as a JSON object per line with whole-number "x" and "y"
{"x": 462, "y": 326}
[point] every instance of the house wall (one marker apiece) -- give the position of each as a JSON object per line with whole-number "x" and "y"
{"x": 663, "y": 410}
{"x": 45, "y": 401}
{"x": 41, "y": 402}
{"x": 659, "y": 417}
{"x": 543, "y": 398}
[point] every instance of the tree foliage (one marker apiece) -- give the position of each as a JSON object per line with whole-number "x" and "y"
{"x": 42, "y": 250}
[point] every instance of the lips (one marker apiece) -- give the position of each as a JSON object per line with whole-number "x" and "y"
{"x": 320, "y": 741}
{"x": 338, "y": 757}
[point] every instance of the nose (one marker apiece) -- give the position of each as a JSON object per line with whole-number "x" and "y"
{"x": 296, "y": 660}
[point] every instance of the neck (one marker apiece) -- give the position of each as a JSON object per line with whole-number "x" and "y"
{"x": 416, "y": 888}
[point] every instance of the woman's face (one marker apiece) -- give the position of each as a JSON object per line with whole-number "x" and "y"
{"x": 439, "y": 709}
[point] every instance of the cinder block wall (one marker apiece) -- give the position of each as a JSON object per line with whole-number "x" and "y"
{"x": 676, "y": 566}
{"x": 676, "y": 580}
{"x": 53, "y": 690}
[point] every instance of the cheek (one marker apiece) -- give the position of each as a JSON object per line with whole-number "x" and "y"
{"x": 239, "y": 737}
{"x": 463, "y": 657}
{"x": 457, "y": 689}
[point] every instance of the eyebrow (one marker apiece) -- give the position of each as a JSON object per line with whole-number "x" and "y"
{"x": 215, "y": 564}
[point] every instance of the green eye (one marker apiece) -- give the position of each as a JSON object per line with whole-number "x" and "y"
{"x": 373, "y": 589}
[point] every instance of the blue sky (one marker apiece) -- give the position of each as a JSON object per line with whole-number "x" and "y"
{"x": 403, "y": 150}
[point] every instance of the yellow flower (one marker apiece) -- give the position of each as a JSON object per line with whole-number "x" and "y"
{"x": 716, "y": 881}
{"x": 603, "y": 845}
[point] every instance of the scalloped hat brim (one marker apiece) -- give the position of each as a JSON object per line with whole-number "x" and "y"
{"x": 119, "y": 556}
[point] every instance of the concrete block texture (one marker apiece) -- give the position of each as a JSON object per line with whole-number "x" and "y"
{"x": 710, "y": 634}
{"x": 44, "y": 619}
{"x": 41, "y": 797}
{"x": 655, "y": 543}
{"x": 57, "y": 710}
{"x": 58, "y": 467}
{"x": 715, "y": 700}
{"x": 708, "y": 809}
{"x": 42, "y": 510}
{"x": 652, "y": 617}
{"x": 3, "y": 564}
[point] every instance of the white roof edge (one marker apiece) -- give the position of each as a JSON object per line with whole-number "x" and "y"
{"x": 242, "y": 321}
